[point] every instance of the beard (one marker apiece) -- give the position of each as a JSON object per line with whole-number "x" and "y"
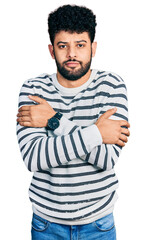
{"x": 73, "y": 75}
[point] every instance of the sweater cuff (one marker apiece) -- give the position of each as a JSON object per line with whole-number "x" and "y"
{"x": 65, "y": 126}
{"x": 92, "y": 137}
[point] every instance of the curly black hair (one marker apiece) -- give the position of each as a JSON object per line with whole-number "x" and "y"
{"x": 71, "y": 18}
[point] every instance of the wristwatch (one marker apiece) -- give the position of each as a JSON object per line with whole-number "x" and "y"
{"x": 54, "y": 122}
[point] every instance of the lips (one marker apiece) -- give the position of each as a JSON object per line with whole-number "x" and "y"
{"x": 72, "y": 63}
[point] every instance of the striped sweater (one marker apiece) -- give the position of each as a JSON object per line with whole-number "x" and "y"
{"x": 73, "y": 171}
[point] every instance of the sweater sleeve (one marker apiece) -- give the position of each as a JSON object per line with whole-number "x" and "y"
{"x": 42, "y": 150}
{"x": 104, "y": 156}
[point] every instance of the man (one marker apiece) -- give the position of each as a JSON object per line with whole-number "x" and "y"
{"x": 71, "y": 128}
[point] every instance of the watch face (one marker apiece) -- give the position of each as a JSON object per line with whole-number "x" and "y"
{"x": 53, "y": 123}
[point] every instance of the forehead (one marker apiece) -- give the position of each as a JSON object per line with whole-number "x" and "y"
{"x": 65, "y": 36}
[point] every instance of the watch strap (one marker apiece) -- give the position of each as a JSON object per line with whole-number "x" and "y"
{"x": 52, "y": 124}
{"x": 58, "y": 115}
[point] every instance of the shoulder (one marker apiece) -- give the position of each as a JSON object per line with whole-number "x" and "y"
{"x": 41, "y": 82}
{"x": 108, "y": 80}
{"x": 42, "y": 79}
{"x": 35, "y": 86}
{"x": 109, "y": 76}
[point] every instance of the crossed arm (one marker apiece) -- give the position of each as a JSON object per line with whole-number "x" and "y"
{"x": 114, "y": 133}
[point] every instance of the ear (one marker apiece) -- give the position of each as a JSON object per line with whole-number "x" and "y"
{"x": 94, "y": 46}
{"x": 51, "y": 50}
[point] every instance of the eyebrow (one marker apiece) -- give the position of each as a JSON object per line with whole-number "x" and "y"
{"x": 75, "y": 41}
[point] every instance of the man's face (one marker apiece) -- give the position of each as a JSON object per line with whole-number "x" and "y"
{"x": 72, "y": 53}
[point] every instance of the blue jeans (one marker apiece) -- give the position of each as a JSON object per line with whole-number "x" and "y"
{"x": 102, "y": 229}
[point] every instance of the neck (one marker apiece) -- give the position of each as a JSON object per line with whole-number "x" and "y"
{"x": 73, "y": 84}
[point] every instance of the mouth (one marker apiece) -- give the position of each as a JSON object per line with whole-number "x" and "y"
{"x": 72, "y": 64}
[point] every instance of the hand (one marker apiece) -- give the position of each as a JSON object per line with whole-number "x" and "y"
{"x": 112, "y": 131}
{"x": 35, "y": 115}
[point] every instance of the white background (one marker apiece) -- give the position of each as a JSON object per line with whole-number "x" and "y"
{"x": 24, "y": 54}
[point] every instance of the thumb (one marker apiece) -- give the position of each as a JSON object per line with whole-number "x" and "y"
{"x": 36, "y": 99}
{"x": 108, "y": 113}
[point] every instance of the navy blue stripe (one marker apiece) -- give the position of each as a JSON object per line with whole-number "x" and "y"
{"x": 74, "y": 146}
{"x": 47, "y": 153}
{"x": 21, "y": 129}
{"x": 93, "y": 212}
{"x": 73, "y": 129}
{"x": 81, "y": 174}
{"x": 57, "y": 100}
{"x": 120, "y": 147}
{"x": 87, "y": 157}
{"x": 98, "y": 209}
{"x": 65, "y": 150}
{"x": 118, "y": 115}
{"x": 56, "y": 152}
{"x": 107, "y": 84}
{"x": 113, "y": 76}
{"x": 38, "y": 81}
{"x": 58, "y": 210}
{"x": 96, "y": 117}
{"x": 116, "y": 151}
{"x": 97, "y": 155}
{"x": 82, "y": 143}
{"x": 89, "y": 89}
{"x": 121, "y": 116}
{"x": 75, "y": 165}
{"x": 113, "y": 163}
{"x": 38, "y": 87}
{"x": 74, "y": 184}
{"x": 31, "y": 157}
{"x": 86, "y": 107}
{"x": 39, "y": 155}
{"x": 25, "y": 103}
{"x": 33, "y": 140}
{"x": 106, "y": 157}
{"x": 118, "y": 95}
{"x": 62, "y": 203}
{"x": 100, "y": 72}
{"x": 75, "y": 193}
{"x": 85, "y": 117}
{"x": 46, "y": 76}
{"x": 28, "y": 134}
{"x": 101, "y": 83}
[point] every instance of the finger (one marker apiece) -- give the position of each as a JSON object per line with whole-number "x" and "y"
{"x": 124, "y": 123}
{"x": 124, "y": 138}
{"x": 23, "y": 113}
{"x": 25, "y": 124}
{"x": 36, "y": 99}
{"x": 120, "y": 143}
{"x": 23, "y": 119}
{"x": 108, "y": 113}
{"x": 24, "y": 108}
{"x": 125, "y": 131}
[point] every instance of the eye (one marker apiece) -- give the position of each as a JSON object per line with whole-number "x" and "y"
{"x": 80, "y": 45}
{"x": 62, "y": 46}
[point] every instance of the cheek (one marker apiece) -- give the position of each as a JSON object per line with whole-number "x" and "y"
{"x": 60, "y": 57}
{"x": 85, "y": 56}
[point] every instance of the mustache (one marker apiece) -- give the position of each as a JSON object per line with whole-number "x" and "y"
{"x": 72, "y": 60}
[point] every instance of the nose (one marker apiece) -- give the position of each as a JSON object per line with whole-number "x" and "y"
{"x": 71, "y": 53}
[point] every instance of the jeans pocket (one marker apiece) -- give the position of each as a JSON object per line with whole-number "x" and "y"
{"x": 105, "y": 224}
{"x": 39, "y": 224}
